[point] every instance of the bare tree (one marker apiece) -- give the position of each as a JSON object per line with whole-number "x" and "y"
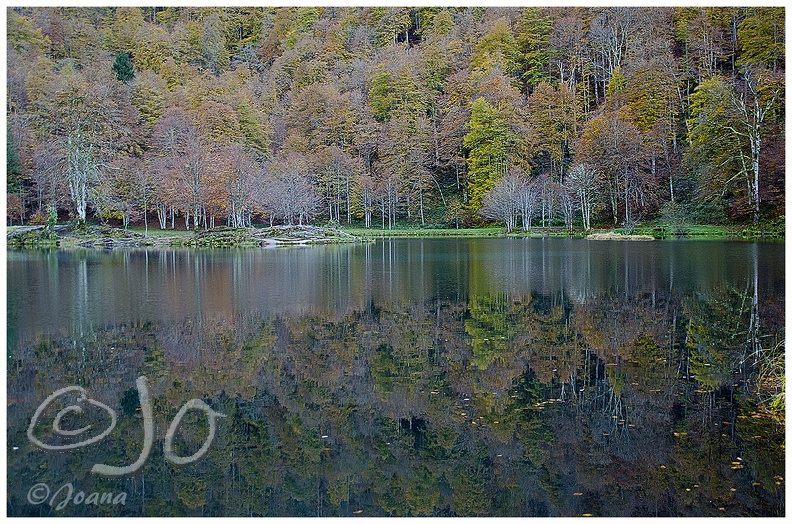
{"x": 568, "y": 204}
{"x": 582, "y": 180}
{"x": 500, "y": 203}
{"x": 365, "y": 189}
{"x": 241, "y": 173}
{"x": 753, "y": 105}
{"x": 291, "y": 190}
{"x": 528, "y": 196}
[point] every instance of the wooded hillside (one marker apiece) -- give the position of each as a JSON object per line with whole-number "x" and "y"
{"x": 531, "y": 116}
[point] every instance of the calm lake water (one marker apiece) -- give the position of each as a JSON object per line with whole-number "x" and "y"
{"x": 445, "y": 377}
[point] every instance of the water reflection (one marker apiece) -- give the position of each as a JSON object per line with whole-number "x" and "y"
{"x": 77, "y": 291}
{"x": 491, "y": 377}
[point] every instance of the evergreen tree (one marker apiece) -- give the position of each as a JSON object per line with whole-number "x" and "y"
{"x": 123, "y": 67}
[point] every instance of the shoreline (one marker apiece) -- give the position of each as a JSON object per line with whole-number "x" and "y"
{"x": 106, "y": 237}
{"x": 37, "y": 237}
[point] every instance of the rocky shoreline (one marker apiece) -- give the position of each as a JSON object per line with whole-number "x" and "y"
{"x": 33, "y": 237}
{"x": 612, "y": 235}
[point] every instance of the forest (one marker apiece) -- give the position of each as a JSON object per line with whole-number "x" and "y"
{"x": 196, "y": 117}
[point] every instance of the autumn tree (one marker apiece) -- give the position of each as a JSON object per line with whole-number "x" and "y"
{"x": 84, "y": 124}
{"x": 400, "y": 113}
{"x": 290, "y": 190}
{"x": 728, "y": 128}
{"x": 554, "y": 113}
{"x": 612, "y": 145}
{"x": 241, "y": 176}
{"x": 490, "y": 141}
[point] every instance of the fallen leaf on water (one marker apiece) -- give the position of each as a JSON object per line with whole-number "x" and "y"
{"x": 588, "y": 515}
{"x": 733, "y": 489}
{"x": 662, "y": 467}
{"x": 358, "y": 512}
{"x": 756, "y": 484}
{"x": 577, "y": 494}
{"x": 722, "y": 509}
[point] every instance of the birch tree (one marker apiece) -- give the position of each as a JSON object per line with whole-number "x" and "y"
{"x": 582, "y": 180}
{"x": 727, "y": 130}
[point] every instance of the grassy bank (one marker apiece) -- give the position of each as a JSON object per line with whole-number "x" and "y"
{"x": 424, "y": 232}
{"x": 658, "y": 232}
{"x": 104, "y": 236}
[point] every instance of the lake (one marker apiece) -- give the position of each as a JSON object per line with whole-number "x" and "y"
{"x": 409, "y": 377}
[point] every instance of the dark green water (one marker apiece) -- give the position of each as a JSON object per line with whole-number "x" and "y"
{"x": 502, "y": 377}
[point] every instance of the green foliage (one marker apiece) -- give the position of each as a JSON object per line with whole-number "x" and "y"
{"x": 148, "y": 101}
{"x": 617, "y": 84}
{"x": 22, "y": 36}
{"x": 382, "y": 97}
{"x": 498, "y": 49}
{"x": 123, "y": 68}
{"x": 489, "y": 142}
{"x": 761, "y": 37}
{"x": 52, "y": 219}
{"x": 191, "y": 491}
{"x": 442, "y": 22}
{"x": 533, "y": 34}
{"x": 490, "y": 328}
{"x": 253, "y": 124}
{"x": 124, "y": 26}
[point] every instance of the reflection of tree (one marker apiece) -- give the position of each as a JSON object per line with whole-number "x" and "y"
{"x": 491, "y": 328}
{"x": 409, "y": 411}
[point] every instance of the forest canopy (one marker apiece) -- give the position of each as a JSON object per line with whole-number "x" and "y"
{"x": 576, "y": 117}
